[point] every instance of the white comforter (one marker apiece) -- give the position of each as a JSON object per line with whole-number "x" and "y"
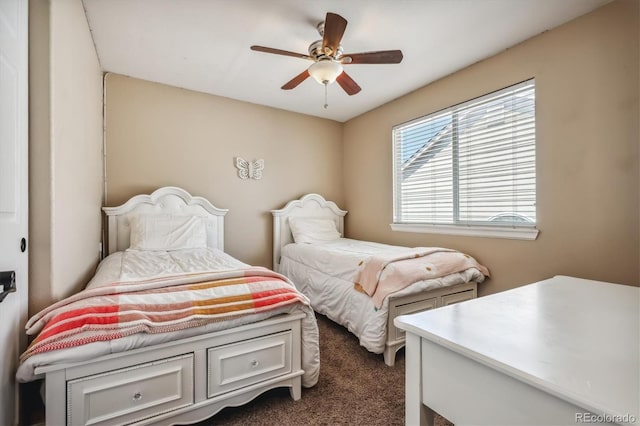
{"x": 131, "y": 265}
{"x": 325, "y": 272}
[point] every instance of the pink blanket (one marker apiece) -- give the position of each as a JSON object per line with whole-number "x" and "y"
{"x": 378, "y": 276}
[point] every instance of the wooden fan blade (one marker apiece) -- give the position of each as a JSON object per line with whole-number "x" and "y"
{"x": 334, "y": 26}
{"x": 380, "y": 57}
{"x": 280, "y": 52}
{"x": 296, "y": 80}
{"x": 348, "y": 84}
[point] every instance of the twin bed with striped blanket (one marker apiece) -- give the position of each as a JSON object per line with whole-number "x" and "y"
{"x": 170, "y": 336}
{"x": 178, "y": 305}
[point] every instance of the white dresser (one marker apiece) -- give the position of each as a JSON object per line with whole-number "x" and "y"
{"x": 563, "y": 351}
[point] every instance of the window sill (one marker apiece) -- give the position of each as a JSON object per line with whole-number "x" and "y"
{"x": 470, "y": 231}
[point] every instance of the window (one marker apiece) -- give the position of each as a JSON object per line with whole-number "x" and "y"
{"x": 469, "y": 169}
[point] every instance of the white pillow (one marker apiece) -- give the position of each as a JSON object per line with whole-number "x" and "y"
{"x": 306, "y": 230}
{"x": 167, "y": 232}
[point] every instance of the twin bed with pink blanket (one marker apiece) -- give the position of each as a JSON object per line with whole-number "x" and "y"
{"x": 170, "y": 329}
{"x": 364, "y": 285}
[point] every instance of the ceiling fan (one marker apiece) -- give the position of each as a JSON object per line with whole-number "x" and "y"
{"x": 328, "y": 57}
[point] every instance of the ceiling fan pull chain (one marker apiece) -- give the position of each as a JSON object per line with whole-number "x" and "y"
{"x": 326, "y": 103}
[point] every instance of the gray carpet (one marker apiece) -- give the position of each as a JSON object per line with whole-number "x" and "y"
{"x": 355, "y": 388}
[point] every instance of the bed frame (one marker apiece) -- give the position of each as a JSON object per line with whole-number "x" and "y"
{"x": 315, "y": 206}
{"x": 167, "y": 200}
{"x": 183, "y": 381}
{"x": 310, "y": 205}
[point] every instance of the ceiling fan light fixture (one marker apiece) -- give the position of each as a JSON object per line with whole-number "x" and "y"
{"x": 325, "y": 71}
{"x": 328, "y": 57}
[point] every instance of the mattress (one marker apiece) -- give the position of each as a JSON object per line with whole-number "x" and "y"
{"x": 325, "y": 273}
{"x": 132, "y": 265}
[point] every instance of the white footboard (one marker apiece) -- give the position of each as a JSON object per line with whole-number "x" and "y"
{"x": 184, "y": 381}
{"x": 417, "y": 303}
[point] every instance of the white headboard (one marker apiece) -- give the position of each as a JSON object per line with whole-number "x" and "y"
{"x": 166, "y": 200}
{"x": 310, "y": 205}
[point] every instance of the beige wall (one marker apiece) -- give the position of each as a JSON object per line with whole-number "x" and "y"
{"x": 587, "y": 143}
{"x": 159, "y": 135}
{"x": 66, "y": 163}
{"x": 39, "y": 158}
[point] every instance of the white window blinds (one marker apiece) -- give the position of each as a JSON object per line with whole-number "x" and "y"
{"x": 471, "y": 164}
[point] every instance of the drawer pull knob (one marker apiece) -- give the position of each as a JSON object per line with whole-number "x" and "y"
{"x": 137, "y": 396}
{"x": 254, "y": 363}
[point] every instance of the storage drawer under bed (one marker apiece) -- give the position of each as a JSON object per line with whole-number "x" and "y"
{"x": 131, "y": 394}
{"x": 236, "y": 365}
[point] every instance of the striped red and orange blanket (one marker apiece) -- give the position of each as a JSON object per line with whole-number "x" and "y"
{"x": 158, "y": 305}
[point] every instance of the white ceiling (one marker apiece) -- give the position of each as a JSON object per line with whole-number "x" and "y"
{"x": 203, "y": 45}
